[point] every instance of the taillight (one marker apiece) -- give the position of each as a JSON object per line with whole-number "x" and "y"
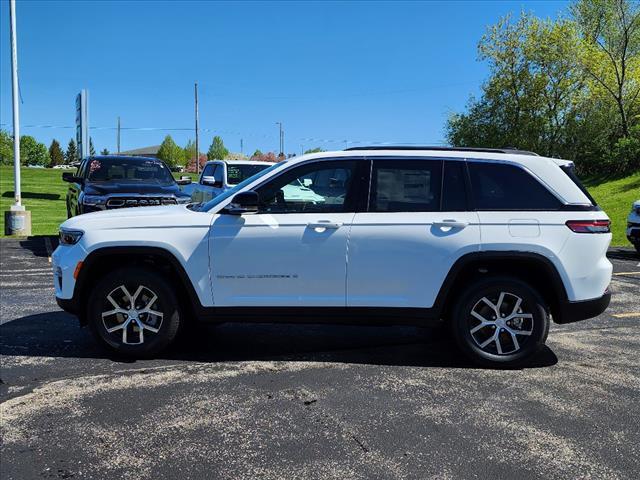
{"x": 589, "y": 226}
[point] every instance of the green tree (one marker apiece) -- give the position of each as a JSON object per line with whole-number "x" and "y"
{"x": 189, "y": 151}
{"x": 92, "y": 150}
{"x": 104, "y": 152}
{"x": 610, "y": 53}
{"x": 540, "y": 97}
{"x": 257, "y": 153}
{"x": 32, "y": 152}
{"x": 56, "y": 155}
{"x": 314, "y": 150}
{"x": 6, "y": 148}
{"x": 170, "y": 152}
{"x": 72, "y": 153}
{"x": 217, "y": 150}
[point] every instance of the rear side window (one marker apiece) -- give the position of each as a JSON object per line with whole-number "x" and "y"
{"x": 454, "y": 192}
{"x": 406, "y": 186}
{"x": 507, "y": 187}
{"x": 570, "y": 171}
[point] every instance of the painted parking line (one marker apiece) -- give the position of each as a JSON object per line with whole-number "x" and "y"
{"x": 626, "y": 315}
{"x": 627, "y": 273}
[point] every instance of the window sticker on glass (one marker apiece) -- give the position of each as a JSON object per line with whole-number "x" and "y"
{"x": 95, "y": 165}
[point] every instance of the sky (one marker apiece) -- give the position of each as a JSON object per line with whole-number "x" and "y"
{"x": 335, "y": 74}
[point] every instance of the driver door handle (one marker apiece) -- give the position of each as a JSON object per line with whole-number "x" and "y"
{"x": 451, "y": 223}
{"x": 326, "y": 224}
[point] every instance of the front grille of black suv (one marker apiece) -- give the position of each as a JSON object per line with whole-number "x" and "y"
{"x": 124, "y": 202}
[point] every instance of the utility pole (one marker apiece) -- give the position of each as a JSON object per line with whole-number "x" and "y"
{"x": 197, "y": 133}
{"x": 17, "y": 220}
{"x": 241, "y": 146}
{"x": 281, "y": 137}
{"x": 118, "y": 137}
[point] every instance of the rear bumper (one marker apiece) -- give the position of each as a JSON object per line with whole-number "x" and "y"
{"x": 575, "y": 311}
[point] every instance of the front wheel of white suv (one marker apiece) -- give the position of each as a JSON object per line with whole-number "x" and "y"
{"x": 500, "y": 322}
{"x": 134, "y": 312}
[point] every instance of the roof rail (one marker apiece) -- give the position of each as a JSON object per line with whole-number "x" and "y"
{"x": 444, "y": 149}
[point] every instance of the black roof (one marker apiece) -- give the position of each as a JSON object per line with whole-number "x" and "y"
{"x": 444, "y": 149}
{"x": 124, "y": 157}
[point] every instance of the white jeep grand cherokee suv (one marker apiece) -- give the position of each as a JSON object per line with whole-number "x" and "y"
{"x": 493, "y": 242}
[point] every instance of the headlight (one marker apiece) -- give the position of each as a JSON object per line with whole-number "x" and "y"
{"x": 183, "y": 200}
{"x": 93, "y": 200}
{"x": 70, "y": 237}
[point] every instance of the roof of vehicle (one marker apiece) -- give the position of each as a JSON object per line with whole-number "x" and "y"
{"x": 240, "y": 162}
{"x": 444, "y": 149}
{"x": 124, "y": 157}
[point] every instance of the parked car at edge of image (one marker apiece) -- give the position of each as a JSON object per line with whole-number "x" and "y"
{"x": 494, "y": 243}
{"x": 218, "y": 176}
{"x": 110, "y": 182}
{"x": 633, "y": 225}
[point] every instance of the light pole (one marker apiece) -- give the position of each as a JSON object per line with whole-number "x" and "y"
{"x": 17, "y": 220}
{"x": 281, "y": 138}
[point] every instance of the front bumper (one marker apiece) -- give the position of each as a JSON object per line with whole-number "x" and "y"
{"x": 570, "y": 312}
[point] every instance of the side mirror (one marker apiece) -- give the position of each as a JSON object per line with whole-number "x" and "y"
{"x": 211, "y": 181}
{"x": 70, "y": 177}
{"x": 184, "y": 180}
{"x": 243, "y": 202}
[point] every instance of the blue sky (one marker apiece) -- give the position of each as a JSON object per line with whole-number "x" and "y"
{"x": 330, "y": 71}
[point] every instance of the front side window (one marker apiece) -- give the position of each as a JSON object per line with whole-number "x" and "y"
{"x": 507, "y": 187}
{"x": 322, "y": 187}
{"x": 209, "y": 170}
{"x": 405, "y": 186}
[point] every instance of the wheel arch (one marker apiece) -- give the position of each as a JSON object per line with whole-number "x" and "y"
{"x": 106, "y": 259}
{"x": 532, "y": 268}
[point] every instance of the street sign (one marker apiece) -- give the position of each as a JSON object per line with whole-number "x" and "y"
{"x": 82, "y": 123}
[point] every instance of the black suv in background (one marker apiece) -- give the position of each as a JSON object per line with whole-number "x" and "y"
{"x": 107, "y": 182}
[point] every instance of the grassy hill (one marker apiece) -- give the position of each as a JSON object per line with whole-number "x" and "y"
{"x": 43, "y": 192}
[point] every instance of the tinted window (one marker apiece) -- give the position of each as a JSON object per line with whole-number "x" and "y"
{"x": 239, "y": 173}
{"x": 208, "y": 170}
{"x": 454, "y": 194}
{"x": 317, "y": 187}
{"x": 506, "y": 187}
{"x": 405, "y": 186}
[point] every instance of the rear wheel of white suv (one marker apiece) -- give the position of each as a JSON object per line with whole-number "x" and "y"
{"x": 500, "y": 321}
{"x": 134, "y": 312}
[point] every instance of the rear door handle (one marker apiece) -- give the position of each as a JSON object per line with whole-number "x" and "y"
{"x": 451, "y": 223}
{"x": 326, "y": 224}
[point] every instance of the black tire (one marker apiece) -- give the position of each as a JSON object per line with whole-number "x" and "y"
{"x": 637, "y": 245}
{"x": 503, "y": 350}
{"x": 151, "y": 282}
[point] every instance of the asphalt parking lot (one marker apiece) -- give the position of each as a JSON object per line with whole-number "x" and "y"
{"x": 266, "y": 401}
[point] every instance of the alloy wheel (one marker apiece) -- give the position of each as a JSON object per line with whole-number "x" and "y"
{"x": 500, "y": 324}
{"x": 127, "y": 317}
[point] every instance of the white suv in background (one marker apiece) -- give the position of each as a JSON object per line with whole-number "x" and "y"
{"x": 493, "y": 242}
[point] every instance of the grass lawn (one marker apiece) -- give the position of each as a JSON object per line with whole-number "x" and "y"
{"x": 43, "y": 192}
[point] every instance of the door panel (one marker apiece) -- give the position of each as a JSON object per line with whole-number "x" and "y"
{"x": 293, "y": 251}
{"x": 279, "y": 259}
{"x": 401, "y": 259}
{"x": 401, "y": 250}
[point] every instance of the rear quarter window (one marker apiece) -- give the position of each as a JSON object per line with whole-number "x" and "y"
{"x": 507, "y": 187}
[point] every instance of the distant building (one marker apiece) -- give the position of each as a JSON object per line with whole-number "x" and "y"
{"x": 143, "y": 152}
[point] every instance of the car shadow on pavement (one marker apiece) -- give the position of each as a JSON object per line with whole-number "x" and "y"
{"x": 57, "y": 334}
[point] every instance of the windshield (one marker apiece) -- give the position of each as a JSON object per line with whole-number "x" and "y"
{"x": 239, "y": 173}
{"x": 231, "y": 192}
{"x": 126, "y": 169}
